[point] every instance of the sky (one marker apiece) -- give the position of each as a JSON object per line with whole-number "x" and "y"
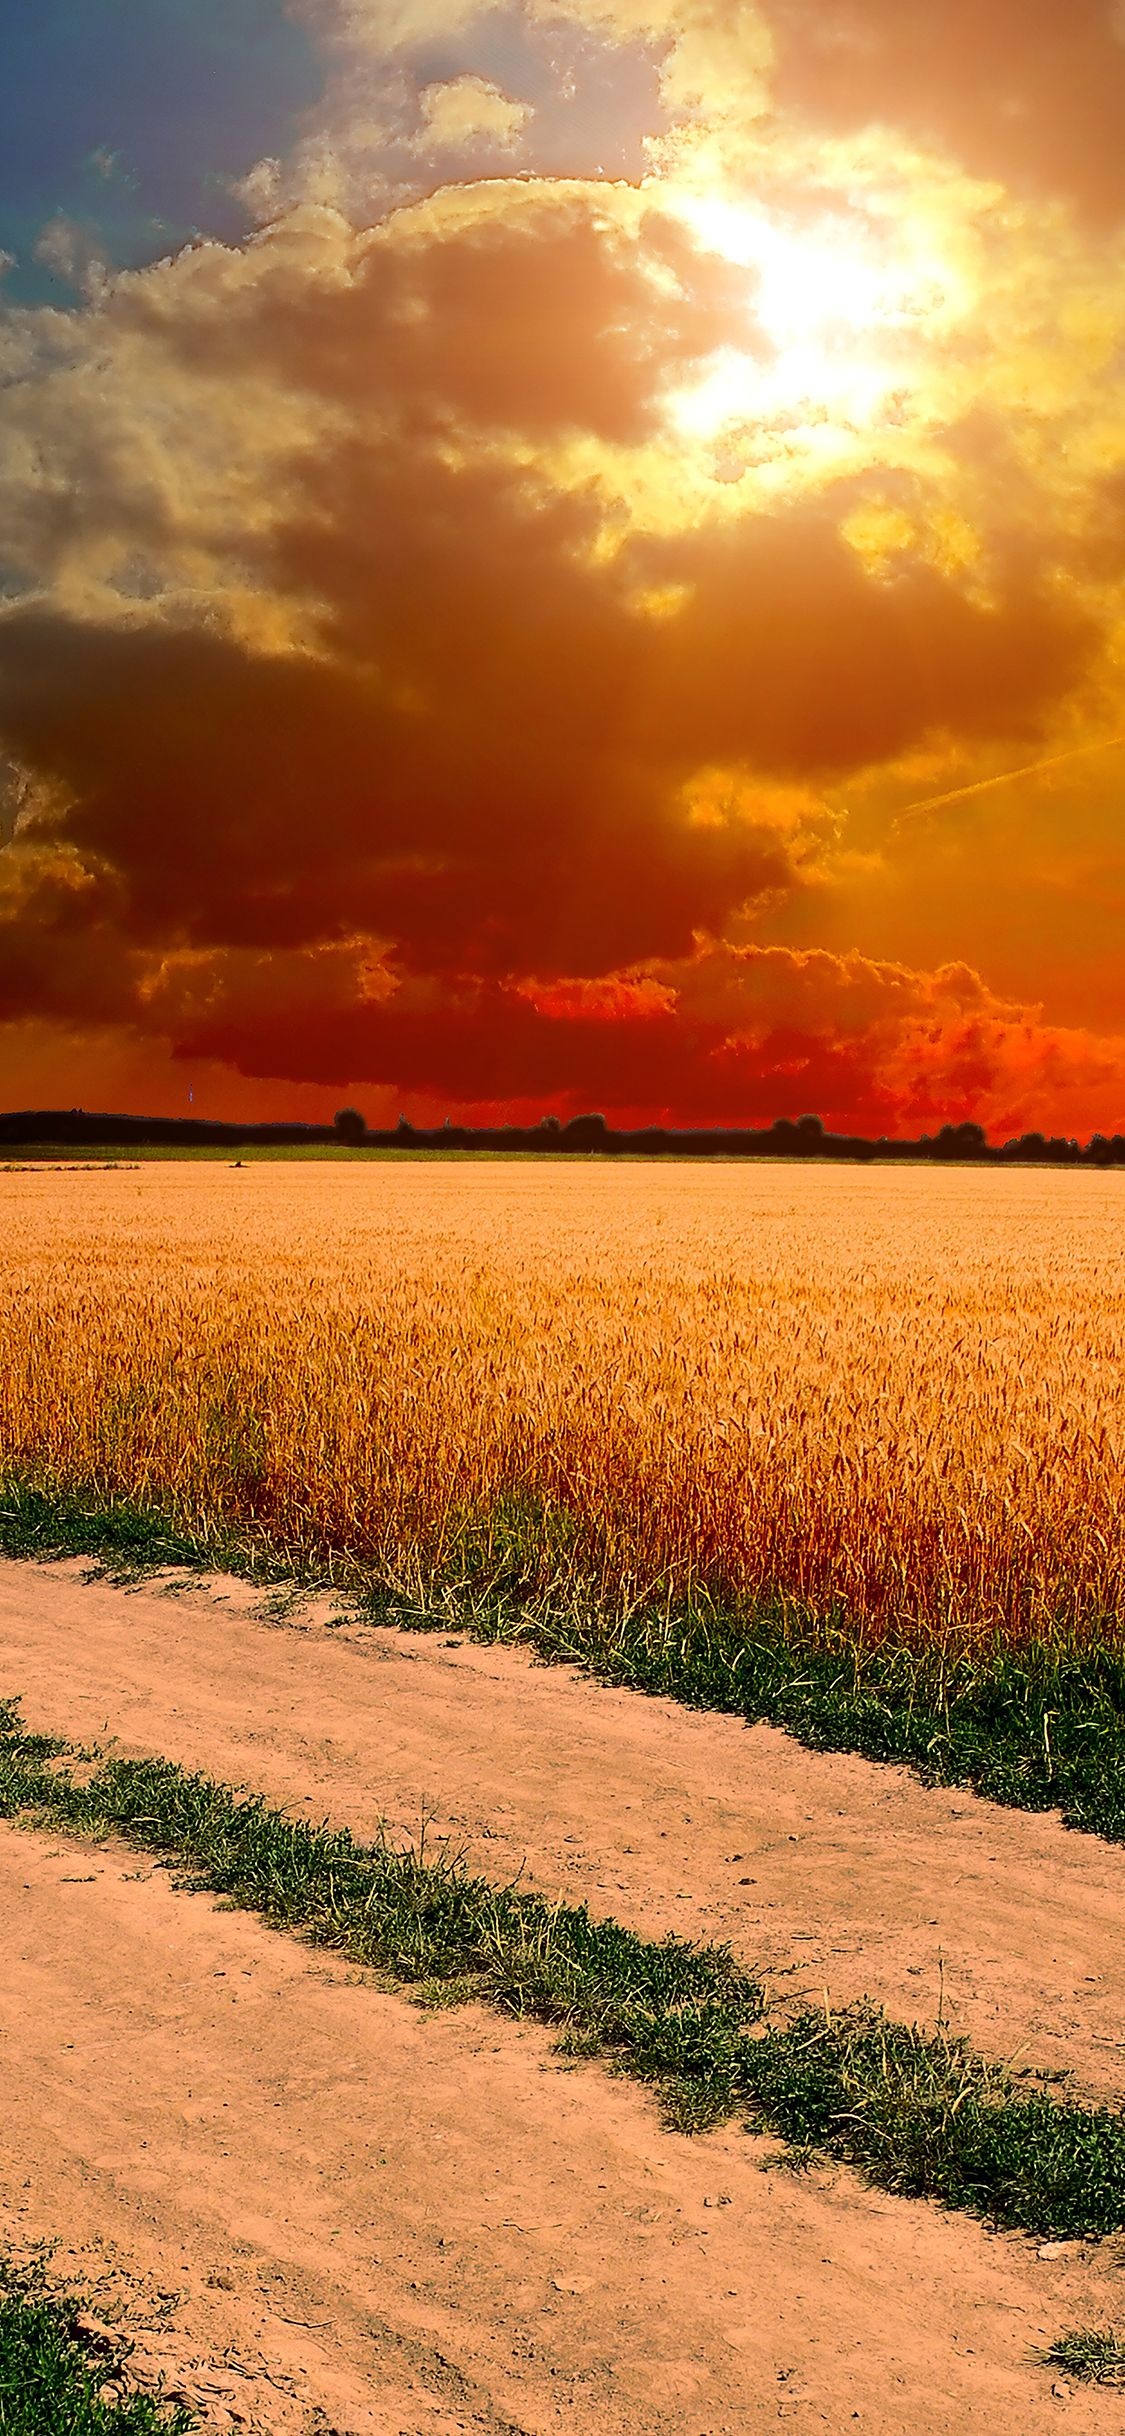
{"x": 564, "y": 556}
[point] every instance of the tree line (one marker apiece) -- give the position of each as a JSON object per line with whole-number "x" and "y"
{"x": 805, "y": 1137}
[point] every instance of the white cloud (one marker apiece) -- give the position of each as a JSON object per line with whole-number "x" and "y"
{"x": 70, "y": 252}
{"x": 380, "y": 27}
{"x": 469, "y": 111}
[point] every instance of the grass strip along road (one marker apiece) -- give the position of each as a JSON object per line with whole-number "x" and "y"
{"x": 920, "y": 2115}
{"x": 53, "y": 2383}
{"x": 1039, "y": 1729}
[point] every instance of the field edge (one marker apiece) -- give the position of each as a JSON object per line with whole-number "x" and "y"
{"x": 1041, "y": 1730}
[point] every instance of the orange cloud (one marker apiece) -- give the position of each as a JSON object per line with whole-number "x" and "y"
{"x": 401, "y": 688}
{"x": 1028, "y": 92}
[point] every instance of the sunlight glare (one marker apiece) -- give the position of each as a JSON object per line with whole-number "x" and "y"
{"x": 829, "y": 306}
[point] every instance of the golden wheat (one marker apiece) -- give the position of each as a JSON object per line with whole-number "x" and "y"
{"x": 895, "y": 1393}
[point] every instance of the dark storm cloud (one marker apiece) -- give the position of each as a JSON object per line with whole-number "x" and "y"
{"x": 727, "y": 1036}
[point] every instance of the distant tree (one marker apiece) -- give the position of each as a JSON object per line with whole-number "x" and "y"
{"x": 966, "y": 1141}
{"x": 810, "y": 1133}
{"x": 585, "y": 1133}
{"x": 350, "y": 1126}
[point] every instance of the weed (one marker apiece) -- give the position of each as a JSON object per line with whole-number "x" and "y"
{"x": 50, "y": 2380}
{"x": 927, "y": 2117}
{"x": 34, "y": 1524}
{"x": 127, "y": 1538}
{"x": 1089, "y": 2356}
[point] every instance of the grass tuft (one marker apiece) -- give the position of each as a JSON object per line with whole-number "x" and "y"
{"x": 50, "y": 2385}
{"x": 919, "y": 2115}
{"x": 1089, "y": 2356}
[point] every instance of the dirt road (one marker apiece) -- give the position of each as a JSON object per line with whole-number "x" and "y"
{"x": 367, "y": 2219}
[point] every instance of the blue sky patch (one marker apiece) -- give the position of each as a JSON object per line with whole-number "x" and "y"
{"x": 130, "y": 117}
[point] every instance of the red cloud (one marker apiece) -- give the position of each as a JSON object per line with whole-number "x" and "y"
{"x": 729, "y": 1036}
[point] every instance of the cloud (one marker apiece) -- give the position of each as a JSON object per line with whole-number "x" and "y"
{"x": 788, "y": 653}
{"x": 384, "y": 26}
{"x": 727, "y": 1036}
{"x": 286, "y": 799}
{"x": 529, "y": 308}
{"x": 405, "y": 693}
{"x": 488, "y": 752}
{"x": 1027, "y": 92}
{"x": 466, "y": 111}
{"x": 1028, "y": 95}
{"x": 61, "y": 952}
{"x": 1024, "y": 94}
{"x": 71, "y": 254}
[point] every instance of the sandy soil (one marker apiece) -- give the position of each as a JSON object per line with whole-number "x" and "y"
{"x": 319, "y": 2209}
{"x": 825, "y": 1871}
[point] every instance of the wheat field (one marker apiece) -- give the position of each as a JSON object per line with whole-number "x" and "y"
{"x": 894, "y": 1396}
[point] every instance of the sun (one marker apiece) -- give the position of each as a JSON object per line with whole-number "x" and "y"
{"x": 831, "y": 308}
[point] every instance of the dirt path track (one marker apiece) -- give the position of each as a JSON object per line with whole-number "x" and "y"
{"x": 369, "y": 2220}
{"x": 423, "y": 2227}
{"x": 827, "y": 1871}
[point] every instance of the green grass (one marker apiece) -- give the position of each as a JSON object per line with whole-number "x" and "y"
{"x": 50, "y": 2382}
{"x": 1040, "y": 1730}
{"x": 919, "y": 2115}
{"x": 1089, "y": 2356}
{"x": 135, "y": 1537}
{"x": 925, "y": 2116}
{"x": 670, "y": 2013}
